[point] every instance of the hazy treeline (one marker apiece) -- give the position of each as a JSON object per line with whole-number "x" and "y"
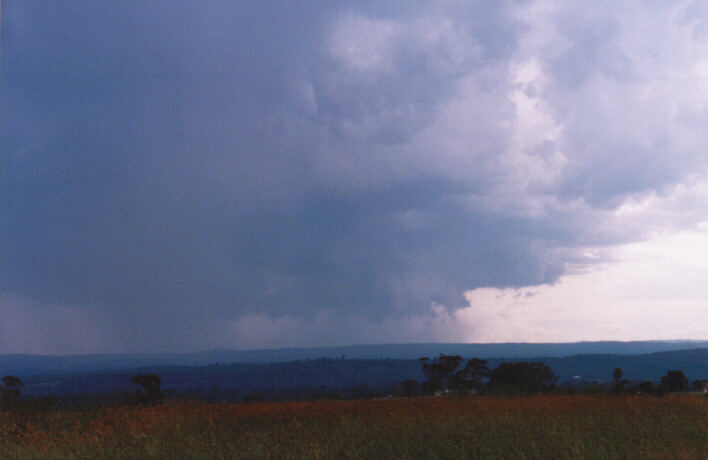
{"x": 323, "y": 379}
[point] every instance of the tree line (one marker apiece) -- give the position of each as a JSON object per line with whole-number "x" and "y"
{"x": 446, "y": 374}
{"x": 147, "y": 392}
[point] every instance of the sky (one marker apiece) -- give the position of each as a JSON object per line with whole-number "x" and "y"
{"x": 185, "y": 175}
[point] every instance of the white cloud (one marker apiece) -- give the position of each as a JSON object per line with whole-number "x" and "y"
{"x": 654, "y": 289}
{"x": 597, "y": 105}
{"x": 363, "y": 44}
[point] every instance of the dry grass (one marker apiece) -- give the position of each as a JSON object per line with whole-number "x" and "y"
{"x": 550, "y": 426}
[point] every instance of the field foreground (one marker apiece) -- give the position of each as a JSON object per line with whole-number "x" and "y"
{"x": 545, "y": 426}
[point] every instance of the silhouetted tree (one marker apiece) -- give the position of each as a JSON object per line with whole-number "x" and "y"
{"x": 619, "y": 381}
{"x": 675, "y": 381}
{"x": 361, "y": 391}
{"x": 646, "y": 387}
{"x": 471, "y": 376}
{"x": 409, "y": 388}
{"x": 10, "y": 381}
{"x": 439, "y": 372}
{"x": 150, "y": 383}
{"x": 699, "y": 385}
{"x": 523, "y": 376}
{"x": 10, "y": 391}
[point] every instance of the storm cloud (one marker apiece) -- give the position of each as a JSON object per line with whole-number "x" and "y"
{"x": 178, "y": 175}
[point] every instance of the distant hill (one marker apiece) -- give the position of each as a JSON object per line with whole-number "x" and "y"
{"x": 649, "y": 366}
{"x": 293, "y": 377}
{"x": 19, "y": 364}
{"x": 345, "y": 374}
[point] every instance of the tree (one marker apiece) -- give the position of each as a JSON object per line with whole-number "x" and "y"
{"x": 646, "y": 387}
{"x": 700, "y": 385}
{"x": 10, "y": 391}
{"x": 675, "y": 381}
{"x": 523, "y": 376}
{"x": 617, "y": 375}
{"x": 150, "y": 383}
{"x": 409, "y": 388}
{"x": 440, "y": 372}
{"x": 619, "y": 381}
{"x": 470, "y": 377}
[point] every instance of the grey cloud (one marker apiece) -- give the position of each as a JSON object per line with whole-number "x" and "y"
{"x": 186, "y": 163}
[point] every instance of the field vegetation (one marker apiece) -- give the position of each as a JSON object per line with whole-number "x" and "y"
{"x": 536, "y": 426}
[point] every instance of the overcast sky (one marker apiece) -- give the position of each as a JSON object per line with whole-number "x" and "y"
{"x": 183, "y": 175}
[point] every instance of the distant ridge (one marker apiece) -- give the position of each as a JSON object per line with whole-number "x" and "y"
{"x": 300, "y": 377}
{"x": 23, "y": 364}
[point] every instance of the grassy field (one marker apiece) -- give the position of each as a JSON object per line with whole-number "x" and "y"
{"x": 544, "y": 426}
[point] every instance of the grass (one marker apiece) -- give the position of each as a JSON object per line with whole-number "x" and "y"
{"x": 544, "y": 426}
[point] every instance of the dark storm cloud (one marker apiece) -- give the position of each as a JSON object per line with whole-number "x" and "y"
{"x": 187, "y": 162}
